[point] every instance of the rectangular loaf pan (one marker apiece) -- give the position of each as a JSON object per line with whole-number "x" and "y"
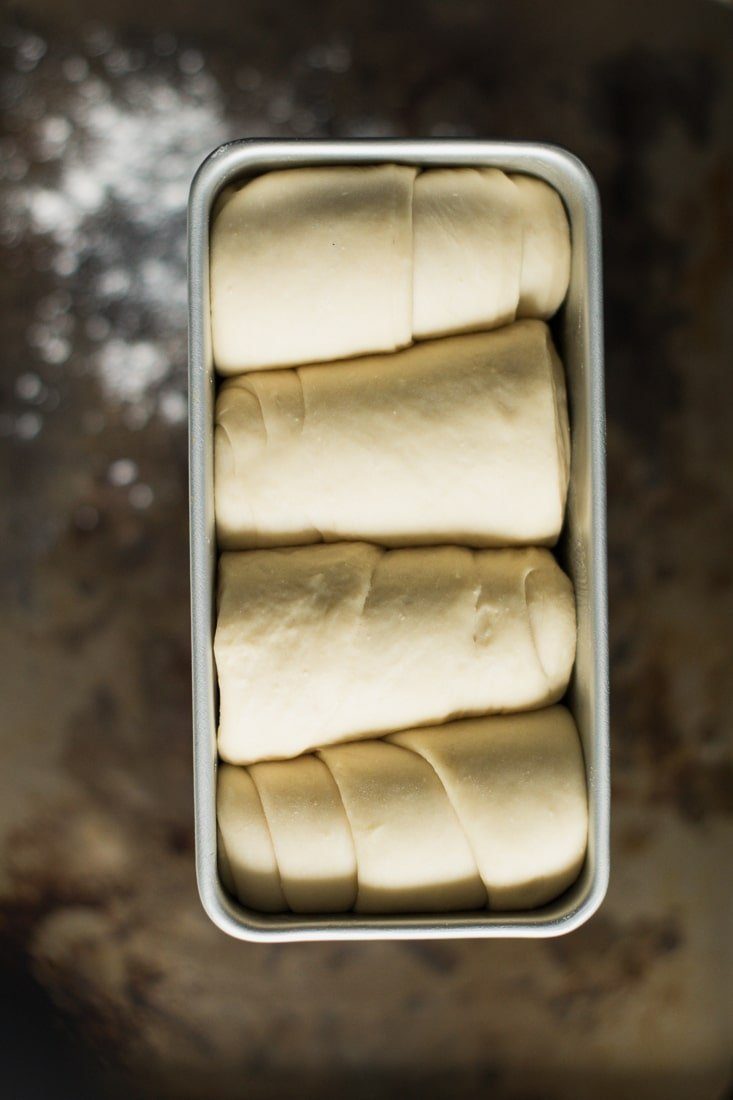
{"x": 578, "y": 332}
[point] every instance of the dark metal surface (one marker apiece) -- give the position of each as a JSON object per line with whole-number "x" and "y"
{"x": 98, "y": 898}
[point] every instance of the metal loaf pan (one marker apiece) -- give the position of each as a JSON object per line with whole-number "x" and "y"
{"x": 578, "y": 331}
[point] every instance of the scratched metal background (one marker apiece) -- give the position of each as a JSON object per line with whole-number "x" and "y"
{"x": 114, "y": 982}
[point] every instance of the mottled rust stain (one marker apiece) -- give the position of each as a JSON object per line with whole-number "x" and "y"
{"x": 606, "y": 957}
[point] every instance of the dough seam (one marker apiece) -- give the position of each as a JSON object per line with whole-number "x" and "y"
{"x": 357, "y": 621}
{"x": 562, "y": 426}
{"x": 220, "y": 429}
{"x": 476, "y": 605}
{"x": 270, "y": 834}
{"x": 249, "y": 385}
{"x": 452, "y": 805}
{"x": 370, "y": 586}
{"x": 530, "y": 627}
{"x": 479, "y": 592}
{"x": 349, "y": 826}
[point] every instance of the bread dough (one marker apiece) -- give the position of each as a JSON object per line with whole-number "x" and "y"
{"x": 460, "y": 440}
{"x": 312, "y": 264}
{"x": 310, "y": 834}
{"x": 320, "y": 644}
{"x": 517, "y": 784}
{"x": 411, "y": 852}
{"x": 246, "y": 858}
{"x": 428, "y": 820}
{"x": 545, "y": 248}
{"x": 467, "y": 249}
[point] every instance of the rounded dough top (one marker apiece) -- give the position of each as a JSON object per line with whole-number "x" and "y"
{"x": 546, "y": 249}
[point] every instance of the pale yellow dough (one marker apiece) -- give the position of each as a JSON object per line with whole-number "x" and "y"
{"x": 411, "y": 852}
{"x": 316, "y": 264}
{"x": 312, "y": 264}
{"x": 321, "y": 644}
{"x": 467, "y": 249}
{"x": 480, "y": 811}
{"x": 517, "y": 784}
{"x": 310, "y": 834}
{"x": 545, "y": 248}
{"x": 460, "y": 440}
{"x": 246, "y": 857}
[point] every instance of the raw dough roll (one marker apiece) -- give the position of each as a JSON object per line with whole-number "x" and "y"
{"x": 411, "y": 852}
{"x": 310, "y": 834}
{"x": 327, "y": 643}
{"x": 467, "y": 249}
{"x": 246, "y": 857}
{"x": 517, "y": 784}
{"x": 545, "y": 248}
{"x": 312, "y": 263}
{"x": 459, "y": 440}
{"x": 442, "y": 818}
